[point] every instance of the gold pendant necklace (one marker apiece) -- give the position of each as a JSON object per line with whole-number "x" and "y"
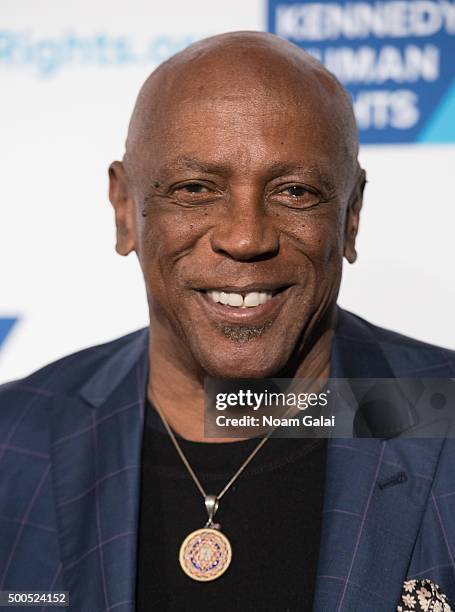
{"x": 205, "y": 554}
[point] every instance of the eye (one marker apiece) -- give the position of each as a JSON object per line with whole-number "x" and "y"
{"x": 194, "y": 192}
{"x": 193, "y": 188}
{"x": 296, "y": 196}
{"x": 296, "y": 191}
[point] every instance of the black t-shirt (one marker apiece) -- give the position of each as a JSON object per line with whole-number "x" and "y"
{"x": 271, "y": 516}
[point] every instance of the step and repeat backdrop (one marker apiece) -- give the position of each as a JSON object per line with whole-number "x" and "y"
{"x": 69, "y": 74}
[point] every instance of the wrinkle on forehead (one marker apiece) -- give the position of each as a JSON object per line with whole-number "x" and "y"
{"x": 254, "y": 67}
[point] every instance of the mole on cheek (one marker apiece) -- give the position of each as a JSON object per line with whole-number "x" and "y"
{"x": 144, "y": 212}
{"x": 156, "y": 184}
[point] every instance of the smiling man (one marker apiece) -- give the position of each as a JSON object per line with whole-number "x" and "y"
{"x": 240, "y": 193}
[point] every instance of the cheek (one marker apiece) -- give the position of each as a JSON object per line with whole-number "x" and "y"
{"x": 317, "y": 235}
{"x": 165, "y": 238}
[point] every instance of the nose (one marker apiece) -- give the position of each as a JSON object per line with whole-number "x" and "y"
{"x": 246, "y": 232}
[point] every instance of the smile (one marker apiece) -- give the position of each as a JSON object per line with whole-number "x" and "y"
{"x": 247, "y": 306}
{"x": 238, "y": 300}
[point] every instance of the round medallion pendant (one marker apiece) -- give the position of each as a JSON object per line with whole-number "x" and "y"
{"x": 205, "y": 554}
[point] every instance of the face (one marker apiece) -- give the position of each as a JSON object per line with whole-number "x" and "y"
{"x": 240, "y": 214}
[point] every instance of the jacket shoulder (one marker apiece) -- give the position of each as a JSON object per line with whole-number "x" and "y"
{"x": 408, "y": 356}
{"x": 69, "y": 373}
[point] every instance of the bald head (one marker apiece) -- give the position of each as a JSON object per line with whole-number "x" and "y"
{"x": 271, "y": 73}
{"x": 240, "y": 182}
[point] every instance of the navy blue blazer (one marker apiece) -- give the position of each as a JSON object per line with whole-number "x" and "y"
{"x": 70, "y": 476}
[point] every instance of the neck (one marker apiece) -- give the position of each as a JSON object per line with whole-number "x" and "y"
{"x": 179, "y": 393}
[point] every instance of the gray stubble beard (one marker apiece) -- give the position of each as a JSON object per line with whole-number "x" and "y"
{"x": 244, "y": 333}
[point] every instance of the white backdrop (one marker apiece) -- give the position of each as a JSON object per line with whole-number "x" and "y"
{"x": 69, "y": 75}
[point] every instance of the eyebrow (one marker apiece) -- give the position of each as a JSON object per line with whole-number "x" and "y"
{"x": 279, "y": 168}
{"x": 275, "y": 169}
{"x": 184, "y": 162}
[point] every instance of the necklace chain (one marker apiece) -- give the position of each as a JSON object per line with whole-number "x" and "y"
{"x": 205, "y": 554}
{"x": 185, "y": 461}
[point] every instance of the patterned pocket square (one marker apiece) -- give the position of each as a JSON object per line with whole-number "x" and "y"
{"x": 423, "y": 596}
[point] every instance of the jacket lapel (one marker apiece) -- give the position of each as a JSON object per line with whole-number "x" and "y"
{"x": 96, "y": 447}
{"x": 376, "y": 493}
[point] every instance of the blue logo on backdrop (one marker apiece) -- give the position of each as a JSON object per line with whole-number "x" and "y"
{"x": 396, "y": 58}
{"x": 6, "y": 325}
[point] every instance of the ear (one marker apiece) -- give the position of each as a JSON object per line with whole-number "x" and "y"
{"x": 123, "y": 205}
{"x": 353, "y": 217}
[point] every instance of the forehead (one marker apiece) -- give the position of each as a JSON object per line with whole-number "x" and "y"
{"x": 244, "y": 109}
{"x": 248, "y": 133}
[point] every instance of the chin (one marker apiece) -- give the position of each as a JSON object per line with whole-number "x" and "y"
{"x": 241, "y": 366}
{"x": 221, "y": 371}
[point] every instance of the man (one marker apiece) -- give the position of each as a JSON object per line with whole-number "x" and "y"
{"x": 240, "y": 192}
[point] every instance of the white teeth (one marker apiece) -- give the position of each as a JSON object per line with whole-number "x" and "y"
{"x": 235, "y": 299}
{"x": 251, "y": 299}
{"x": 224, "y": 297}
